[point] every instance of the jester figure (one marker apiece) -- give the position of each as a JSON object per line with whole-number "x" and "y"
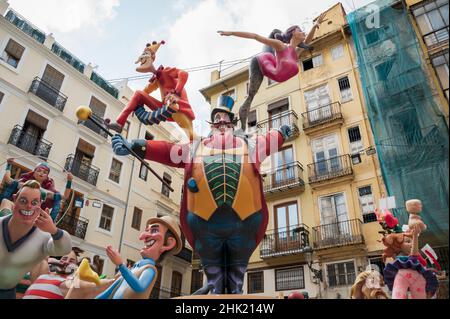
{"x": 223, "y": 214}
{"x": 174, "y": 105}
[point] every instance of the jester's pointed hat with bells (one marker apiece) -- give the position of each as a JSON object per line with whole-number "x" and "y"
{"x": 225, "y": 104}
{"x": 154, "y": 46}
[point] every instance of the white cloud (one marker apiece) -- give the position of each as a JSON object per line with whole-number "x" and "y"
{"x": 67, "y": 15}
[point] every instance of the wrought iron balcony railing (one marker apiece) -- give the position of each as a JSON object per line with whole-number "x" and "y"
{"x": 289, "y": 176}
{"x": 90, "y": 125}
{"x": 329, "y": 169}
{"x": 285, "y": 241}
{"x": 338, "y": 234}
{"x": 48, "y": 94}
{"x": 29, "y": 142}
{"x": 436, "y": 37}
{"x": 84, "y": 171}
{"x": 289, "y": 118}
{"x": 75, "y": 226}
{"x": 322, "y": 115}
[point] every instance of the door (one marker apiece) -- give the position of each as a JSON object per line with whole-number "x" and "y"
{"x": 283, "y": 162}
{"x": 334, "y": 223}
{"x": 318, "y": 104}
{"x": 50, "y": 86}
{"x": 278, "y": 117}
{"x": 326, "y": 155}
{"x": 287, "y": 221}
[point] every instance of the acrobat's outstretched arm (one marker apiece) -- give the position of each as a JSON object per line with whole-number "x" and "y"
{"x": 274, "y": 43}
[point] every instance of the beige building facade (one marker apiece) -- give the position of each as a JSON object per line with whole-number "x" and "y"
{"x": 41, "y": 86}
{"x": 323, "y": 186}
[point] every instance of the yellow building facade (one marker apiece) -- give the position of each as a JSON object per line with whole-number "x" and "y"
{"x": 323, "y": 186}
{"x": 41, "y": 86}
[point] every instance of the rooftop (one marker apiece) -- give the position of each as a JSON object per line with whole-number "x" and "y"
{"x": 39, "y": 36}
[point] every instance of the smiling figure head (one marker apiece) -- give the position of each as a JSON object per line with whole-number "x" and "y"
{"x": 27, "y": 203}
{"x": 161, "y": 237}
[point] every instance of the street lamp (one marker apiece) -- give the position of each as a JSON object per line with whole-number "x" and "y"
{"x": 317, "y": 273}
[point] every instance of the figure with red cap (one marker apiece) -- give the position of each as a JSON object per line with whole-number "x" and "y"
{"x": 174, "y": 104}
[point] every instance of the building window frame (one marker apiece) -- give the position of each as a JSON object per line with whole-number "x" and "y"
{"x": 255, "y": 288}
{"x": 348, "y": 279}
{"x": 290, "y": 284}
{"x": 366, "y": 199}
{"x": 165, "y": 190}
{"x": 136, "y": 221}
{"x": 337, "y": 52}
{"x": 113, "y": 174}
{"x": 357, "y": 146}
{"x": 345, "y": 92}
{"x": 102, "y": 221}
{"x": 316, "y": 61}
{"x": 15, "y": 69}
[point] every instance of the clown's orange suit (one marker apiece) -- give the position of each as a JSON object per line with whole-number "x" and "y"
{"x": 169, "y": 81}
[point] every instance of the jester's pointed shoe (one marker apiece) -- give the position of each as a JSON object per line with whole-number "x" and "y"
{"x": 116, "y": 127}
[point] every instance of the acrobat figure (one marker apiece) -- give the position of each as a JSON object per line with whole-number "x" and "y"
{"x": 174, "y": 105}
{"x": 223, "y": 214}
{"x": 409, "y": 273}
{"x": 27, "y": 237}
{"x": 61, "y": 279}
{"x": 161, "y": 238}
{"x": 278, "y": 61}
{"x": 51, "y": 198}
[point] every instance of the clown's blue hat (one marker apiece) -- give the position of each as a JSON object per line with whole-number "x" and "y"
{"x": 225, "y": 104}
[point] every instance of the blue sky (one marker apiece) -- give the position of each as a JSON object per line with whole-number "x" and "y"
{"x": 112, "y": 33}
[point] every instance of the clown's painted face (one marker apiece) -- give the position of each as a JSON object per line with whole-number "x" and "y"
{"x": 41, "y": 174}
{"x": 222, "y": 122}
{"x": 153, "y": 239}
{"x": 27, "y": 205}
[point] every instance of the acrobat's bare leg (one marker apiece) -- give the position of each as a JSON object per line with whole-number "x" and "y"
{"x": 256, "y": 79}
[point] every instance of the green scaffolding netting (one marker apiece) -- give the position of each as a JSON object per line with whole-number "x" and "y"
{"x": 410, "y": 131}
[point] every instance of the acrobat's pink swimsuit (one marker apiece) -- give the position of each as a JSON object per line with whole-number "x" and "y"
{"x": 280, "y": 67}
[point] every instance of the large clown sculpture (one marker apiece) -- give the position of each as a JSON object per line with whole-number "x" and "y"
{"x": 224, "y": 214}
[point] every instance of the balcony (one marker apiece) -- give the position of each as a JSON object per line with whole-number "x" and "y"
{"x": 90, "y": 125}
{"x": 48, "y": 94}
{"x": 75, "y": 226}
{"x": 84, "y": 171}
{"x": 346, "y": 233}
{"x": 25, "y": 26}
{"x": 286, "y": 118}
{"x": 286, "y": 179}
{"x": 322, "y": 117}
{"x": 30, "y": 143}
{"x": 436, "y": 37}
{"x": 333, "y": 168}
{"x": 285, "y": 242}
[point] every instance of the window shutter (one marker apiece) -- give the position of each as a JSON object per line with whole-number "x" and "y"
{"x": 278, "y": 105}
{"x": 37, "y": 120}
{"x": 14, "y": 49}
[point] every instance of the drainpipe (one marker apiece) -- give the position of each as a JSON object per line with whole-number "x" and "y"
{"x": 128, "y": 198}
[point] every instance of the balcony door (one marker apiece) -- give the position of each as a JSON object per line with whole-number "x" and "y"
{"x": 33, "y": 131}
{"x": 318, "y": 104}
{"x": 276, "y": 111}
{"x": 286, "y": 222}
{"x": 334, "y": 221}
{"x": 326, "y": 155}
{"x": 283, "y": 163}
{"x": 50, "y": 86}
{"x": 84, "y": 155}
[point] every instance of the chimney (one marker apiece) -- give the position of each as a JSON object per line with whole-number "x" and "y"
{"x": 49, "y": 40}
{"x": 4, "y": 5}
{"x": 215, "y": 75}
{"x": 88, "y": 70}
